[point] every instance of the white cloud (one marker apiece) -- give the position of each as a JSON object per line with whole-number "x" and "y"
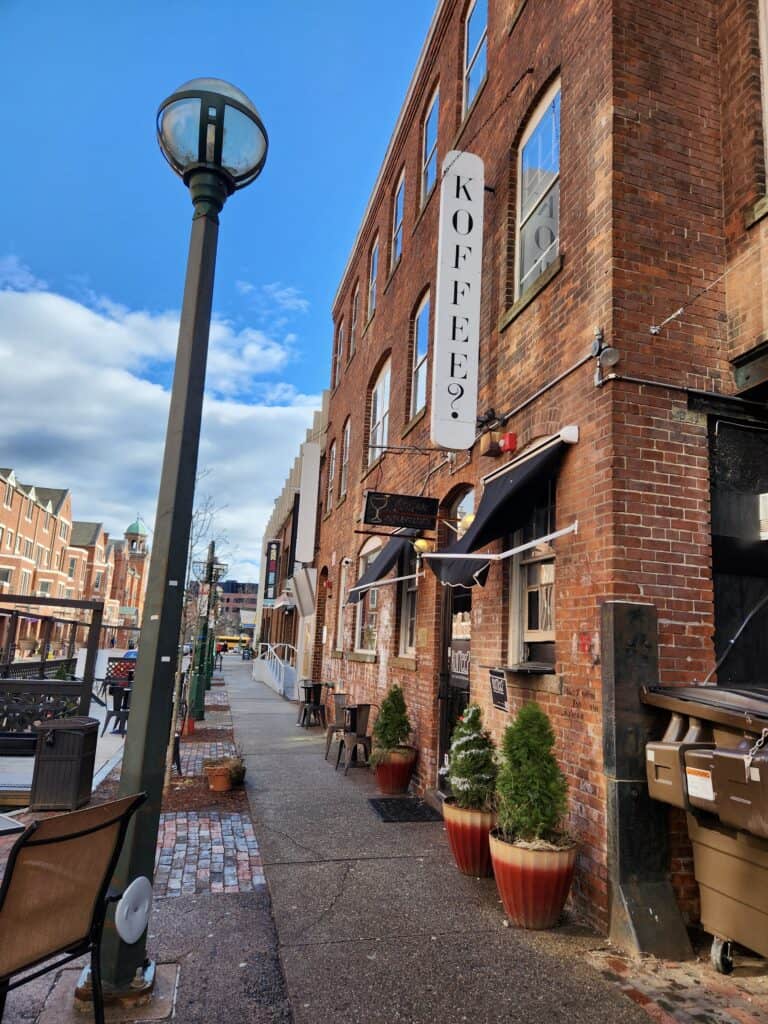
{"x": 84, "y": 406}
{"x": 14, "y": 274}
{"x": 286, "y": 297}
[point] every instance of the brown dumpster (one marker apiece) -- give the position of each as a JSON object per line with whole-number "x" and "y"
{"x": 713, "y": 762}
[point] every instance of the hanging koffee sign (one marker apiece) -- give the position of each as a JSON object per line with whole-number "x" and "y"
{"x": 457, "y": 302}
{"x": 271, "y": 580}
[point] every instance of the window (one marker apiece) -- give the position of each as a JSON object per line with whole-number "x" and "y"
{"x": 429, "y": 148}
{"x": 28, "y": 512}
{"x": 19, "y": 543}
{"x": 354, "y": 320}
{"x": 6, "y": 574}
{"x": 475, "y": 50}
{"x": 379, "y": 432}
{"x": 28, "y": 549}
{"x": 57, "y": 559}
{"x": 532, "y": 597}
{"x": 397, "y": 221}
{"x": 2, "y": 531}
{"x": 420, "y": 348}
{"x": 8, "y": 499}
{"x": 373, "y": 269}
{"x": 9, "y": 541}
{"x": 345, "y": 439}
{"x": 339, "y": 357}
{"x": 343, "y": 571}
{"x": 408, "y": 591}
{"x": 97, "y": 581}
{"x": 40, "y": 555}
{"x": 71, "y": 569}
{"x": 538, "y": 189}
{"x": 331, "y": 476}
{"x": 47, "y": 521}
{"x": 366, "y": 615}
{"x": 63, "y": 530}
{"x": 44, "y": 587}
{"x": 26, "y": 582}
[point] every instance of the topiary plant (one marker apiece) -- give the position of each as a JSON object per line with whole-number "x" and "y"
{"x": 472, "y": 767}
{"x": 393, "y": 727}
{"x": 531, "y": 789}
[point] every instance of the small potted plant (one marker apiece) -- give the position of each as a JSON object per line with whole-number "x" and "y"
{"x": 469, "y": 812}
{"x": 392, "y": 758}
{"x": 532, "y": 857}
{"x": 236, "y": 770}
{"x": 217, "y": 772}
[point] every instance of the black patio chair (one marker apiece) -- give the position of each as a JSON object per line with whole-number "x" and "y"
{"x": 55, "y": 893}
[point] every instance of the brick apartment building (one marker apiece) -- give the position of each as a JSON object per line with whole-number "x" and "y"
{"x": 45, "y": 553}
{"x": 624, "y": 295}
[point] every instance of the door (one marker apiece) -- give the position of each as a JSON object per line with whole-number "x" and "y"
{"x": 454, "y": 677}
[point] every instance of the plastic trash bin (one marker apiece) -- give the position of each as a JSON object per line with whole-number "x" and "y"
{"x": 64, "y": 758}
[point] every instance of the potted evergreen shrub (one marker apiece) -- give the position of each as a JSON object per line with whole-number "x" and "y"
{"x": 393, "y": 759}
{"x": 532, "y": 857}
{"x": 469, "y": 813}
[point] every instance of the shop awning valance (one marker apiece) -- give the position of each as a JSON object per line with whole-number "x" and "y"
{"x": 504, "y": 507}
{"x": 386, "y": 560}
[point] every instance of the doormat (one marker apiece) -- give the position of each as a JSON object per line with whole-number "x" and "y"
{"x": 404, "y": 808}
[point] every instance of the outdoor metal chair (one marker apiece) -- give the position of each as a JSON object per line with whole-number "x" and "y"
{"x": 354, "y": 736}
{"x": 55, "y": 893}
{"x": 121, "y": 706}
{"x": 335, "y": 729}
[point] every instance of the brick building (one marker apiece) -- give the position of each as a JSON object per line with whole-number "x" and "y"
{"x": 623, "y": 295}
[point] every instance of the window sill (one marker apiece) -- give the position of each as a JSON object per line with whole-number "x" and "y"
{"x": 424, "y": 206}
{"x": 417, "y": 418}
{"x": 367, "y": 657}
{"x": 468, "y": 113}
{"x": 754, "y": 214}
{"x": 341, "y": 500}
{"x": 404, "y": 661}
{"x": 374, "y": 465}
{"x": 328, "y": 514}
{"x": 536, "y": 677}
{"x": 337, "y": 655}
{"x": 528, "y": 296}
{"x": 516, "y": 16}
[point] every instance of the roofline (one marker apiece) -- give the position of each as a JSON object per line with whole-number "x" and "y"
{"x": 441, "y": 4}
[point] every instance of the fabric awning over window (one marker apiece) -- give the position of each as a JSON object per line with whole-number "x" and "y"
{"x": 386, "y": 559}
{"x": 504, "y": 506}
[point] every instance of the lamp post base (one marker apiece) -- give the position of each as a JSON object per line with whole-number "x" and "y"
{"x": 137, "y": 993}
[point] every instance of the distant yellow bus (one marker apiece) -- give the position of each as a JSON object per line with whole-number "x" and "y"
{"x": 227, "y": 643}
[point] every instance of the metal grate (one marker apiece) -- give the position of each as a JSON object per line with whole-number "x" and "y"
{"x": 404, "y": 809}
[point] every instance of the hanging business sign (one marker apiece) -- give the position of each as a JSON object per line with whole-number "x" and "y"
{"x": 498, "y": 682}
{"x": 308, "y": 487}
{"x": 457, "y": 302}
{"x": 273, "y": 572}
{"x": 404, "y": 510}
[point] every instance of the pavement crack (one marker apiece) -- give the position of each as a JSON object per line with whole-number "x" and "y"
{"x": 347, "y": 868}
{"x": 290, "y": 838}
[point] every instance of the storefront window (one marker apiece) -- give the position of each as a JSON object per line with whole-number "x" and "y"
{"x": 532, "y": 590}
{"x": 367, "y": 608}
{"x": 408, "y": 592}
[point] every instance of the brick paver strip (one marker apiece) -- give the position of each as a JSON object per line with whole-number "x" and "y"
{"x": 206, "y": 852}
{"x": 214, "y": 698}
{"x": 690, "y": 993}
{"x": 193, "y": 755}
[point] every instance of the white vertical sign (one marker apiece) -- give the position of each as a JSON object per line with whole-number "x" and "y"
{"x": 308, "y": 486}
{"x": 457, "y": 301}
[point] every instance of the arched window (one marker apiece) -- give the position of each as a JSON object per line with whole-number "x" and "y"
{"x": 345, "y": 440}
{"x": 367, "y": 608}
{"x": 420, "y": 350}
{"x": 378, "y": 433}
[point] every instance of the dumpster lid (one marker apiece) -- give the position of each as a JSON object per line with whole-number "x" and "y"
{"x": 74, "y": 724}
{"x": 737, "y": 706}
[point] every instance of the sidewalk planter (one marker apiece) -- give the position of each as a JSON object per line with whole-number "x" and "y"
{"x": 533, "y": 884}
{"x": 188, "y": 728}
{"x": 394, "y": 769}
{"x": 468, "y": 835}
{"x": 218, "y": 778}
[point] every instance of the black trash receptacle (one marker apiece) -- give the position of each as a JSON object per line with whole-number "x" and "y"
{"x": 64, "y": 760}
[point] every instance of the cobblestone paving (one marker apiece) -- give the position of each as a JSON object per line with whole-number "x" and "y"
{"x": 214, "y": 698}
{"x": 206, "y": 852}
{"x": 193, "y": 755}
{"x": 691, "y": 993}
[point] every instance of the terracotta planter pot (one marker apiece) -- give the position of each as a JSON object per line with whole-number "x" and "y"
{"x": 468, "y": 836}
{"x": 533, "y": 884}
{"x": 218, "y": 778}
{"x": 188, "y": 729}
{"x": 393, "y": 774}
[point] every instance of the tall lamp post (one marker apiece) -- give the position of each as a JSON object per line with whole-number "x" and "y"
{"x": 212, "y": 571}
{"x": 213, "y": 138}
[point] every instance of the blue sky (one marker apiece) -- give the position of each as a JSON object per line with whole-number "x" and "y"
{"x": 95, "y": 229}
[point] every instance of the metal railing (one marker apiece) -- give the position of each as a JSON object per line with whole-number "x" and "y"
{"x": 271, "y": 655}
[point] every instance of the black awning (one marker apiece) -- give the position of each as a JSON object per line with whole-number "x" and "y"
{"x": 387, "y": 558}
{"x": 497, "y": 516}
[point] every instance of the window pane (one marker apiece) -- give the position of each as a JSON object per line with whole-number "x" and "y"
{"x": 539, "y": 238}
{"x": 421, "y": 333}
{"x": 540, "y": 163}
{"x": 533, "y": 609}
{"x": 476, "y": 25}
{"x": 476, "y": 74}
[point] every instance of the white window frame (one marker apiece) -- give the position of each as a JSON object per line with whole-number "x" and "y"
{"x": 398, "y": 214}
{"x": 471, "y": 59}
{"x": 9, "y": 541}
{"x": 97, "y": 580}
{"x": 369, "y": 599}
{"x": 8, "y": 496}
{"x": 419, "y": 364}
{"x": 427, "y": 155}
{"x": 373, "y": 271}
{"x": 44, "y": 587}
{"x": 378, "y": 433}
{"x": 72, "y": 568}
{"x": 354, "y": 319}
{"x": 25, "y": 584}
{"x": 28, "y": 511}
{"x": 2, "y": 533}
{"x": 408, "y": 599}
{"x": 63, "y": 530}
{"x": 29, "y": 549}
{"x": 519, "y": 633}
{"x": 331, "y": 476}
{"x": 343, "y": 573}
{"x": 346, "y": 437}
{"x": 6, "y": 573}
{"x": 339, "y": 360}
{"x": 533, "y": 124}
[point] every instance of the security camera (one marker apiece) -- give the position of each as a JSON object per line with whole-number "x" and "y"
{"x": 346, "y": 561}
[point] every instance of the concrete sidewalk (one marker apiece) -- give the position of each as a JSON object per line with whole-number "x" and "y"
{"x": 374, "y": 922}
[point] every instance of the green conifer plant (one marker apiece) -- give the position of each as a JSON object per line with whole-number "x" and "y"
{"x": 393, "y": 727}
{"x": 472, "y": 767}
{"x": 531, "y": 790}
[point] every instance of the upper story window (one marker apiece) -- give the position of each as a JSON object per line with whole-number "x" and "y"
{"x": 379, "y": 431}
{"x": 9, "y": 540}
{"x": 47, "y": 521}
{"x": 398, "y": 207}
{"x": 538, "y": 193}
{"x": 331, "y": 476}
{"x": 475, "y": 49}
{"x": 345, "y": 439}
{"x": 29, "y": 549}
{"x": 373, "y": 269}
{"x": 8, "y": 497}
{"x": 97, "y": 581}
{"x": 26, "y": 582}
{"x": 71, "y": 568}
{"x": 354, "y": 320}
{"x": 429, "y": 147}
{"x": 420, "y": 349}
{"x": 339, "y": 357}
{"x": 28, "y": 513}
{"x": 2, "y": 531}
{"x": 6, "y": 574}
{"x": 63, "y": 530}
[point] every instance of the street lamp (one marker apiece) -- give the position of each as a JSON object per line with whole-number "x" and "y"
{"x": 212, "y": 136}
